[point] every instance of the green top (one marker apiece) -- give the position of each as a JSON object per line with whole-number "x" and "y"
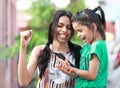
{"x": 99, "y": 48}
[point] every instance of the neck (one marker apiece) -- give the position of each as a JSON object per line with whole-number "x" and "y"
{"x": 97, "y": 37}
{"x": 60, "y": 47}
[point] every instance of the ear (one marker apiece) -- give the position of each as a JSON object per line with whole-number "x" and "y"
{"x": 93, "y": 27}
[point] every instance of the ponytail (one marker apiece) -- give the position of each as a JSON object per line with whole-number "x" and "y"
{"x": 102, "y": 16}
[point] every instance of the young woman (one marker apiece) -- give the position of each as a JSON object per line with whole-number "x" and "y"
{"x": 43, "y": 57}
{"x": 93, "y": 70}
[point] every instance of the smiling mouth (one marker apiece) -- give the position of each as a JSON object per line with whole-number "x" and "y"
{"x": 64, "y": 37}
{"x": 83, "y": 38}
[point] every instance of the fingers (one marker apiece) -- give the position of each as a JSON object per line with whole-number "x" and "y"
{"x": 26, "y": 34}
{"x": 64, "y": 69}
{"x": 60, "y": 60}
{"x": 63, "y": 62}
{"x": 64, "y": 66}
{"x": 25, "y": 37}
{"x": 67, "y": 63}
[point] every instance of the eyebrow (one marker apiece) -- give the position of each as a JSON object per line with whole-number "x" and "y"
{"x": 61, "y": 22}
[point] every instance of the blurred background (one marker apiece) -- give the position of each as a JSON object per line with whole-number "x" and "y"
{"x": 20, "y": 15}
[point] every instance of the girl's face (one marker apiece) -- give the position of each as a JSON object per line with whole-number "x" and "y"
{"x": 83, "y": 32}
{"x": 63, "y": 31}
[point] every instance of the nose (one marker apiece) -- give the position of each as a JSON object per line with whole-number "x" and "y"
{"x": 78, "y": 34}
{"x": 64, "y": 29}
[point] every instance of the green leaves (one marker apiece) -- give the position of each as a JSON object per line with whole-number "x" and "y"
{"x": 76, "y": 5}
{"x": 41, "y": 12}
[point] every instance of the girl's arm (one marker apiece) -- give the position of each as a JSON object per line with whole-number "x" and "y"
{"x": 87, "y": 74}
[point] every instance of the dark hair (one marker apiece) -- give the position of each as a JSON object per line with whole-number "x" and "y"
{"x": 88, "y": 16}
{"x": 45, "y": 54}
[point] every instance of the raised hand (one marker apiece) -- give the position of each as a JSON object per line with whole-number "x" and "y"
{"x": 25, "y": 37}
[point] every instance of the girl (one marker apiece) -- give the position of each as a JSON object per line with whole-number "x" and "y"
{"x": 43, "y": 57}
{"x": 93, "y": 69}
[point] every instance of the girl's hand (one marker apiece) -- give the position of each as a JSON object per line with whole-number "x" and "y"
{"x": 25, "y": 37}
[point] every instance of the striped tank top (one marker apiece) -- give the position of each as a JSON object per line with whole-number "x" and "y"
{"x": 53, "y": 78}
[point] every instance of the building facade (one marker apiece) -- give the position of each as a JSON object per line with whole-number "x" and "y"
{"x": 8, "y": 31}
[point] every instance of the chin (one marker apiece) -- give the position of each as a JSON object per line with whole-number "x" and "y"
{"x": 63, "y": 41}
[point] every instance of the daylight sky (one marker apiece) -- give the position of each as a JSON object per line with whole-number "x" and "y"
{"x": 112, "y": 9}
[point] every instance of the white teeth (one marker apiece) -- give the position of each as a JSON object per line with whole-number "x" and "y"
{"x": 62, "y": 35}
{"x": 82, "y": 38}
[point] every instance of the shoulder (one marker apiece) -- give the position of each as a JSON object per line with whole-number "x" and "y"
{"x": 37, "y": 50}
{"x": 39, "y": 47}
{"x": 99, "y": 43}
{"x": 74, "y": 46}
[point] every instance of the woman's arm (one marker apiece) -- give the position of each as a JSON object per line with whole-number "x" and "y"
{"x": 26, "y": 72}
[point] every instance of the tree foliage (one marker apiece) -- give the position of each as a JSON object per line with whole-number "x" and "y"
{"x": 41, "y": 12}
{"x": 76, "y": 5}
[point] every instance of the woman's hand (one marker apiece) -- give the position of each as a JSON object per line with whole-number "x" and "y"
{"x": 25, "y": 37}
{"x": 65, "y": 67}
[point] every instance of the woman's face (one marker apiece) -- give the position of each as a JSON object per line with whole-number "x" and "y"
{"x": 83, "y": 32}
{"x": 63, "y": 31}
